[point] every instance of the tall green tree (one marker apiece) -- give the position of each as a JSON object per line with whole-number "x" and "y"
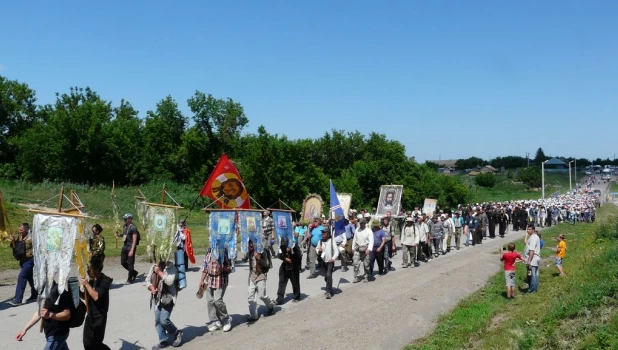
{"x": 163, "y": 131}
{"x": 540, "y": 157}
{"x": 18, "y": 112}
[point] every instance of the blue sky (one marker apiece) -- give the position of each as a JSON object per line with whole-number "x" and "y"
{"x": 448, "y": 79}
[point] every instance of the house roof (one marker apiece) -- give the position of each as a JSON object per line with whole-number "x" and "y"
{"x": 490, "y": 168}
{"x": 555, "y": 161}
{"x": 450, "y": 163}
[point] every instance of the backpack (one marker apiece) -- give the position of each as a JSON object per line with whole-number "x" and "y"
{"x": 19, "y": 250}
{"x": 139, "y": 236}
{"x": 270, "y": 263}
{"x": 78, "y": 313}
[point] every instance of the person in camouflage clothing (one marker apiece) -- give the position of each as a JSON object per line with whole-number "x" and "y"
{"x": 97, "y": 243}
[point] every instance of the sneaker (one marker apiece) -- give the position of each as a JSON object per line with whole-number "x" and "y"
{"x": 160, "y": 346}
{"x": 177, "y": 339}
{"x": 14, "y": 302}
{"x": 228, "y": 324}
{"x": 32, "y": 299}
{"x": 405, "y": 266}
{"x": 134, "y": 275}
{"x": 251, "y": 319}
{"x": 356, "y": 280}
{"x": 311, "y": 277}
{"x": 215, "y": 327}
{"x": 328, "y": 296}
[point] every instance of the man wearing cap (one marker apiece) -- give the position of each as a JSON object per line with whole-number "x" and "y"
{"x": 379, "y": 242}
{"x": 362, "y": 245}
{"x": 131, "y": 240}
{"x": 409, "y": 240}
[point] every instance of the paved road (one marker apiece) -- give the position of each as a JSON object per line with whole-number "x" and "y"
{"x": 385, "y": 314}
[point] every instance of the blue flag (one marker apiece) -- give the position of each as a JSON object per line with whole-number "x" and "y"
{"x": 336, "y": 208}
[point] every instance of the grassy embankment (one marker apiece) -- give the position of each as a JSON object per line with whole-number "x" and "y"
{"x": 98, "y": 205}
{"x": 579, "y": 311}
{"x": 613, "y": 187}
{"x": 509, "y": 189}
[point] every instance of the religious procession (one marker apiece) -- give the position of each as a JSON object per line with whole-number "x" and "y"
{"x": 62, "y": 258}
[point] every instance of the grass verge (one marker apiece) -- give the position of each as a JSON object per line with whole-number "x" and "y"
{"x": 579, "y": 311}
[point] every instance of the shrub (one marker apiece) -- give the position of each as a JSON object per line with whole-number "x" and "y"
{"x": 607, "y": 229}
{"x": 531, "y": 176}
{"x": 486, "y": 180}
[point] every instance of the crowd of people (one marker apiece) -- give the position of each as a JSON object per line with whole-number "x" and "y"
{"x": 368, "y": 240}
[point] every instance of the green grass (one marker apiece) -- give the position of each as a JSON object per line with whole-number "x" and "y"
{"x": 613, "y": 186}
{"x": 579, "y": 311}
{"x": 98, "y": 205}
{"x": 510, "y": 189}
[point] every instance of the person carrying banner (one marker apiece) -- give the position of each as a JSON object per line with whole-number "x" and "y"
{"x": 215, "y": 276}
{"x": 328, "y": 252}
{"x": 162, "y": 286}
{"x": 97, "y": 243}
{"x": 268, "y": 232}
{"x": 289, "y": 270}
{"x": 98, "y": 305}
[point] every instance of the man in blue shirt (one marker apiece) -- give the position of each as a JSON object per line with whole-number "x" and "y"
{"x": 379, "y": 240}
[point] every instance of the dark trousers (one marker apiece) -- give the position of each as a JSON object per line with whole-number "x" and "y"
{"x": 25, "y": 276}
{"x": 94, "y": 332}
{"x": 423, "y": 249}
{"x": 437, "y": 245}
{"x": 328, "y": 276}
{"x": 492, "y": 230}
{"x": 127, "y": 262}
{"x": 502, "y": 229}
{"x": 286, "y": 275}
{"x": 379, "y": 256}
{"x": 389, "y": 252}
{"x": 478, "y": 236}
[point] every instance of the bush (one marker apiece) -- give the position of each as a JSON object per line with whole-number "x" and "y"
{"x": 607, "y": 229}
{"x": 486, "y": 180}
{"x": 509, "y": 174}
{"x": 531, "y": 176}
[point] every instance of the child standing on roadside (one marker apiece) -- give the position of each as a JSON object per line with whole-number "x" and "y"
{"x": 560, "y": 253}
{"x": 509, "y": 259}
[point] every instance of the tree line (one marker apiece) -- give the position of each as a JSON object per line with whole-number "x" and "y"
{"x": 85, "y": 139}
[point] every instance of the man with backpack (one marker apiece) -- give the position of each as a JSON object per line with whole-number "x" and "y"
{"x": 162, "y": 284}
{"x": 56, "y": 319}
{"x": 131, "y": 240}
{"x": 97, "y": 290}
{"x": 259, "y": 265}
{"x": 22, "y": 251}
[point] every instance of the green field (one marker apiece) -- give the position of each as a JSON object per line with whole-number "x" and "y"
{"x": 98, "y": 205}
{"x": 510, "y": 189}
{"x": 613, "y": 187}
{"x": 578, "y": 311}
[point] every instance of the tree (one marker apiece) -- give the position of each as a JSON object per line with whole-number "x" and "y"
{"x": 469, "y": 163}
{"x": 508, "y": 162}
{"x": 432, "y": 165}
{"x": 540, "y": 157}
{"x": 531, "y": 176}
{"x": 486, "y": 180}
{"x": 18, "y": 112}
{"x": 221, "y": 120}
{"x": 163, "y": 131}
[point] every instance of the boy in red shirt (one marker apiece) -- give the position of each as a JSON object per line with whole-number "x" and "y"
{"x": 509, "y": 259}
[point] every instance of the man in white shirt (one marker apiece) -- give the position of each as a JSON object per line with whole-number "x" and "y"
{"x": 362, "y": 246}
{"x": 449, "y": 231}
{"x": 533, "y": 259}
{"x": 423, "y": 246}
{"x": 329, "y": 252}
{"x": 340, "y": 241}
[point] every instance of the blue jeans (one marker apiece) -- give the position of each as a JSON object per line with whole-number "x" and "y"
{"x": 25, "y": 276}
{"x": 534, "y": 280}
{"x": 55, "y": 342}
{"x": 163, "y": 323}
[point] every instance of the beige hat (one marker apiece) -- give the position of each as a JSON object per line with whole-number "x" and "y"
{"x": 409, "y": 219}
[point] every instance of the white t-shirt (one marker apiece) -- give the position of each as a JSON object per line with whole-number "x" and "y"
{"x": 534, "y": 243}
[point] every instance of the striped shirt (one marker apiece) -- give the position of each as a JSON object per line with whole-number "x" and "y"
{"x": 217, "y": 278}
